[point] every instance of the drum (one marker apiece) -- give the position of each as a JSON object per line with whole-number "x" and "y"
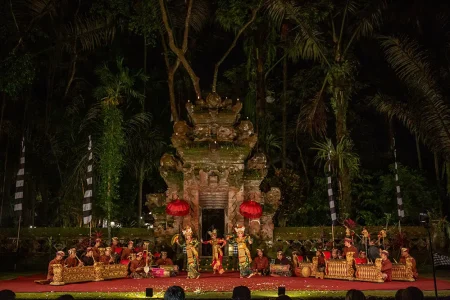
{"x": 306, "y": 271}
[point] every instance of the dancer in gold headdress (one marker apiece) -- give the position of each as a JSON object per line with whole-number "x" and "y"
{"x": 191, "y": 253}
{"x": 217, "y": 253}
{"x": 243, "y": 252}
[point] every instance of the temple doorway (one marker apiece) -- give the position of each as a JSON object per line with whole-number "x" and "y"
{"x": 211, "y": 219}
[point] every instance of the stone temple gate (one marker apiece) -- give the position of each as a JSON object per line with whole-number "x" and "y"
{"x": 215, "y": 169}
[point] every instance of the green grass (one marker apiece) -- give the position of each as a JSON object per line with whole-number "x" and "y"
{"x": 323, "y": 295}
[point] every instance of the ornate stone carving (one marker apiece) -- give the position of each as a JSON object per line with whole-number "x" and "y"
{"x": 213, "y": 154}
{"x": 169, "y": 161}
{"x": 257, "y": 161}
{"x": 225, "y": 133}
{"x": 213, "y": 100}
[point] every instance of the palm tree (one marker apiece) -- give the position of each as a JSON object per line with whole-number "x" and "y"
{"x": 349, "y": 21}
{"x": 115, "y": 87}
{"x": 143, "y": 152}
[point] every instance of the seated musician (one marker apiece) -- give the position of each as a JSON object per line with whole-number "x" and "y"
{"x": 107, "y": 258}
{"x": 386, "y": 266}
{"x": 116, "y": 250}
{"x": 88, "y": 259}
{"x": 320, "y": 261}
{"x": 349, "y": 248}
{"x": 72, "y": 260}
{"x": 362, "y": 259}
{"x": 137, "y": 267}
{"x": 373, "y": 252}
{"x": 405, "y": 255}
{"x": 164, "y": 260}
{"x": 96, "y": 250}
{"x": 260, "y": 265}
{"x": 282, "y": 260}
{"x": 336, "y": 254}
{"x": 57, "y": 260}
{"x": 297, "y": 258}
{"x": 127, "y": 251}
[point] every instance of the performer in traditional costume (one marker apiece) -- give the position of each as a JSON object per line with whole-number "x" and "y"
{"x": 349, "y": 248}
{"x": 106, "y": 258}
{"x": 137, "y": 267}
{"x": 386, "y": 266}
{"x": 217, "y": 253}
{"x": 243, "y": 252}
{"x": 116, "y": 250}
{"x": 363, "y": 257}
{"x": 405, "y": 255}
{"x": 260, "y": 265}
{"x": 125, "y": 257}
{"x": 281, "y": 260}
{"x": 58, "y": 260}
{"x": 72, "y": 260}
{"x": 191, "y": 253}
{"x": 96, "y": 250}
{"x": 336, "y": 254}
{"x": 88, "y": 259}
{"x": 164, "y": 260}
{"x": 373, "y": 252}
{"x": 297, "y": 259}
{"x": 320, "y": 261}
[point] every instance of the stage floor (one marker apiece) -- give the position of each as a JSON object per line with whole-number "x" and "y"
{"x": 215, "y": 283}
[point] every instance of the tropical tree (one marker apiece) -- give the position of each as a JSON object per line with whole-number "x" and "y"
{"x": 349, "y": 21}
{"x": 143, "y": 152}
{"x": 115, "y": 87}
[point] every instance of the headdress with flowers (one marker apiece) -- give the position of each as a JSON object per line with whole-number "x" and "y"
{"x": 213, "y": 232}
{"x": 187, "y": 231}
{"x": 239, "y": 229}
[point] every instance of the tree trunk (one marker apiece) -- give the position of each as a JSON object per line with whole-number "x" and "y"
{"x": 341, "y": 133}
{"x": 446, "y": 200}
{"x": 4, "y": 178}
{"x": 108, "y": 207}
{"x": 419, "y": 156}
{"x": 141, "y": 183}
{"x": 145, "y": 72}
{"x": 284, "y": 115}
{"x": 172, "y": 98}
{"x": 260, "y": 86}
{"x": 438, "y": 180}
{"x": 2, "y": 114}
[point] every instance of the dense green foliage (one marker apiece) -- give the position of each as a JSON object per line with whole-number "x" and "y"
{"x": 316, "y": 78}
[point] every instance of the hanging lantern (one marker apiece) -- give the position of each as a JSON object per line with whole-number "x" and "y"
{"x": 251, "y": 209}
{"x": 177, "y": 208}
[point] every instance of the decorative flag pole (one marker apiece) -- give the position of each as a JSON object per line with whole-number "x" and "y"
{"x": 400, "y": 210}
{"x": 20, "y": 180}
{"x": 87, "y": 201}
{"x": 331, "y": 198}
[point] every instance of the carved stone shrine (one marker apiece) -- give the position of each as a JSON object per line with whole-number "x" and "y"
{"x": 215, "y": 169}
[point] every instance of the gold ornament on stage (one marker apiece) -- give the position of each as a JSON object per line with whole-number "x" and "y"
{"x": 306, "y": 271}
{"x": 175, "y": 238}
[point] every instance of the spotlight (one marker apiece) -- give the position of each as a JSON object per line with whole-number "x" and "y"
{"x": 148, "y": 292}
{"x": 281, "y": 290}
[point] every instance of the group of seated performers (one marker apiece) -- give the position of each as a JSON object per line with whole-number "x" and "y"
{"x": 140, "y": 262}
{"x": 143, "y": 264}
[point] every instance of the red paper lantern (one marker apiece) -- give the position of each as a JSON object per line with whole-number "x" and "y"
{"x": 251, "y": 209}
{"x": 177, "y": 208}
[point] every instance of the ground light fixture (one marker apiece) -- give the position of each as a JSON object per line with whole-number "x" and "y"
{"x": 149, "y": 292}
